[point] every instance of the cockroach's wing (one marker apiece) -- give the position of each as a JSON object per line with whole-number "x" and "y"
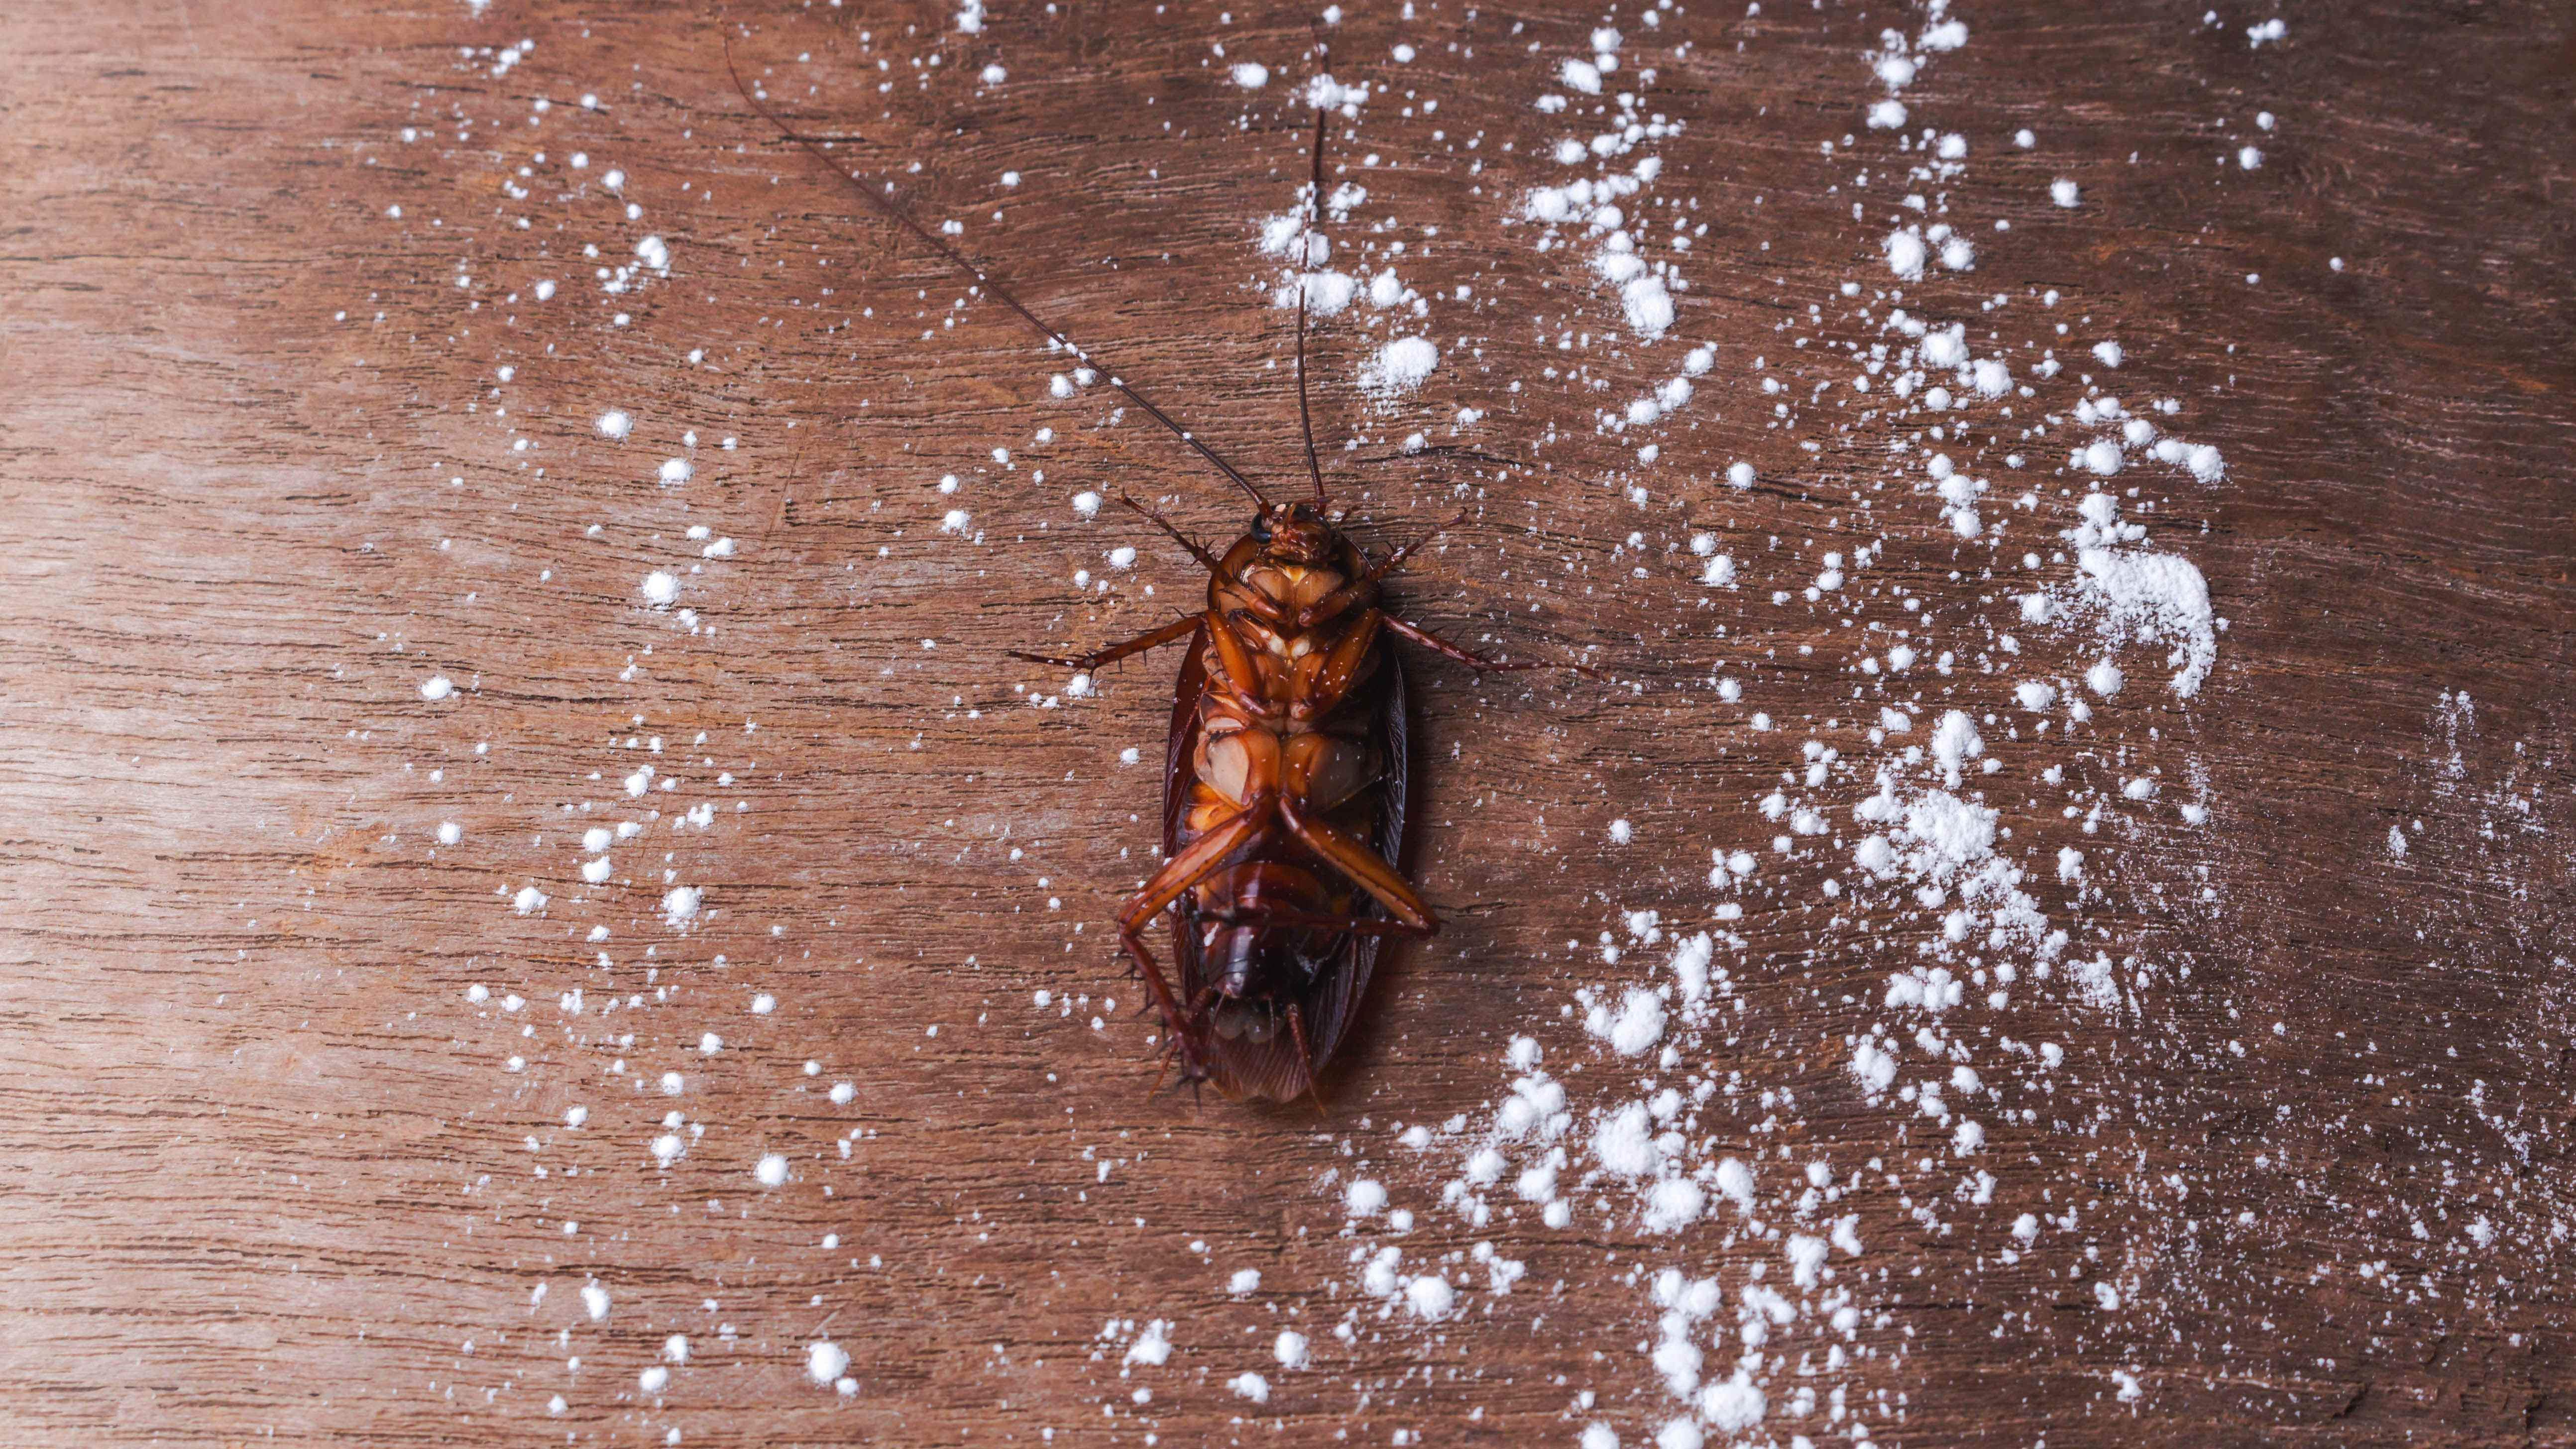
{"x": 1333, "y": 1003}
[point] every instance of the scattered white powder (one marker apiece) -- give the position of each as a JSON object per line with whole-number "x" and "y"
{"x": 825, "y": 1361}
{"x": 594, "y": 1301}
{"x": 1250, "y": 1385}
{"x": 661, "y": 590}
{"x": 1290, "y": 1349}
{"x": 1366, "y": 1197}
{"x": 2064, "y": 192}
{"x": 436, "y": 687}
{"x": 772, "y": 1171}
{"x": 1244, "y": 1281}
{"x": 1251, "y": 75}
{"x": 615, "y": 423}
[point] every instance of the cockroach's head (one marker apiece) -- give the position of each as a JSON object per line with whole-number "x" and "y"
{"x": 1294, "y": 533}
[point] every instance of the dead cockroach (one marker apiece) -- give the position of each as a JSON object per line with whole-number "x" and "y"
{"x": 1287, "y": 769}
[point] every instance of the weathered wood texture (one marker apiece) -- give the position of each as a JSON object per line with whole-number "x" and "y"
{"x": 269, "y": 1176}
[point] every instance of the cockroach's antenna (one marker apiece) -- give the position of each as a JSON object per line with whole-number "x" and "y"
{"x": 875, "y": 190}
{"x": 1305, "y": 260}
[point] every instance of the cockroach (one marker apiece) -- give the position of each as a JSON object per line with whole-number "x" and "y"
{"x": 1287, "y": 770}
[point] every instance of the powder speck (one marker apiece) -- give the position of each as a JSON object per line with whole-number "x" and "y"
{"x": 1400, "y": 366}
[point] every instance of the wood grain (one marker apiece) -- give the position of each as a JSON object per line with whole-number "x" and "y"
{"x": 269, "y": 1177}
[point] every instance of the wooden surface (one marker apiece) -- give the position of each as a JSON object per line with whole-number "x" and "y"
{"x": 270, "y": 1175}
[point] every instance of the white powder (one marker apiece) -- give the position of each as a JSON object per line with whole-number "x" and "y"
{"x": 1638, "y": 1024}
{"x": 825, "y": 1361}
{"x": 1153, "y": 1347}
{"x": 661, "y": 590}
{"x": 1245, "y": 1281}
{"x": 2064, "y": 192}
{"x": 436, "y": 687}
{"x": 1430, "y": 1296}
{"x": 1366, "y": 1197}
{"x": 1673, "y": 1204}
{"x": 1733, "y": 1406}
{"x": 1399, "y": 367}
{"x": 594, "y": 1301}
{"x": 772, "y": 1170}
{"x": 680, "y": 904}
{"x": 1905, "y": 254}
{"x": 1624, "y": 1142}
{"x": 1250, "y": 1385}
{"x": 615, "y": 423}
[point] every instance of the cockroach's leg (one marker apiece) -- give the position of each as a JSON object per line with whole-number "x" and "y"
{"x": 1365, "y": 869}
{"x": 1173, "y": 1024}
{"x": 1234, "y": 669}
{"x": 1341, "y": 669}
{"x": 1194, "y": 863}
{"x": 1365, "y": 586}
{"x": 1172, "y": 632}
{"x": 1444, "y": 648}
{"x": 1206, "y": 559}
{"x": 1305, "y": 1053}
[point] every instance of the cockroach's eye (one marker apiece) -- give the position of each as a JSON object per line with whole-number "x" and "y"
{"x": 1261, "y": 526}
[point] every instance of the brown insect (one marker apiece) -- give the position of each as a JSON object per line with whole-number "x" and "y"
{"x": 1287, "y": 768}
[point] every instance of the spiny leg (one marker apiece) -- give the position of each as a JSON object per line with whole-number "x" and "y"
{"x": 1365, "y": 585}
{"x": 1444, "y": 648}
{"x": 1365, "y": 868}
{"x": 1194, "y": 863}
{"x": 1151, "y": 639}
{"x": 1206, "y": 559}
{"x": 1305, "y": 1053}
